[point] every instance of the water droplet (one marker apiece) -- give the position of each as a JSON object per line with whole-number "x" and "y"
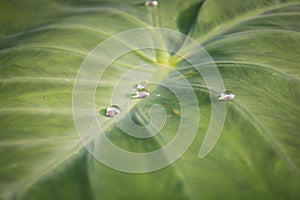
{"x": 45, "y": 98}
{"x": 151, "y": 3}
{"x": 112, "y": 111}
{"x": 143, "y": 93}
{"x": 142, "y": 85}
{"x": 227, "y": 95}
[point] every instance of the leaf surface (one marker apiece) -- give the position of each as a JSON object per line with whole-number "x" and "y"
{"x": 255, "y": 47}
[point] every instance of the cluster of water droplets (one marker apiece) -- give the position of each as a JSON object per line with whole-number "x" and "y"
{"x": 140, "y": 92}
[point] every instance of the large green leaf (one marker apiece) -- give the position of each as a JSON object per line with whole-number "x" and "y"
{"x": 255, "y": 44}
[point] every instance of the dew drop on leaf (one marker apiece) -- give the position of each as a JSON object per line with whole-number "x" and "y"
{"x": 151, "y": 3}
{"x": 227, "y": 95}
{"x": 112, "y": 111}
{"x": 143, "y": 93}
{"x": 142, "y": 85}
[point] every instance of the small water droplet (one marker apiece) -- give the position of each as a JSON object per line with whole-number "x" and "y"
{"x": 151, "y": 3}
{"x": 142, "y": 85}
{"x": 143, "y": 93}
{"x": 112, "y": 111}
{"x": 45, "y": 98}
{"x": 227, "y": 95}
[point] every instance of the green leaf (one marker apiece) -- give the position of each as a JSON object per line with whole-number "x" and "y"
{"x": 255, "y": 45}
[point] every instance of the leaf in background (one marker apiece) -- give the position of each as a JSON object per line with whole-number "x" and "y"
{"x": 255, "y": 46}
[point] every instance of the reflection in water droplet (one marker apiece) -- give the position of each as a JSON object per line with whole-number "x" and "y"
{"x": 151, "y": 3}
{"x": 227, "y": 95}
{"x": 143, "y": 93}
{"x": 112, "y": 111}
{"x": 142, "y": 85}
